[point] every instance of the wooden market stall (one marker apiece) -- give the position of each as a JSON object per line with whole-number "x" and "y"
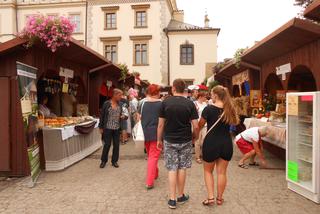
{"x": 289, "y": 61}
{"x": 14, "y": 144}
{"x": 102, "y": 81}
{"x": 239, "y": 77}
{"x": 291, "y": 54}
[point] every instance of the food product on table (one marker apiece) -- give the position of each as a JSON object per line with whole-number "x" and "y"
{"x": 66, "y": 121}
{"x": 55, "y": 122}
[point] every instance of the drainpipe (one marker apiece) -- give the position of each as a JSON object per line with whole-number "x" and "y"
{"x": 86, "y": 25}
{"x": 168, "y": 47}
{"x": 16, "y": 9}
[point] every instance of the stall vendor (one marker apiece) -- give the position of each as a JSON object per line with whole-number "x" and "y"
{"x": 43, "y": 109}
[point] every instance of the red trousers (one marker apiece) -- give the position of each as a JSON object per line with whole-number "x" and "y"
{"x": 153, "y": 157}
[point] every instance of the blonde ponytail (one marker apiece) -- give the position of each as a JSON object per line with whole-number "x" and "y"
{"x": 230, "y": 115}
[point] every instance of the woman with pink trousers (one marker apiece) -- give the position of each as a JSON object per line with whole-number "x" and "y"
{"x": 149, "y": 111}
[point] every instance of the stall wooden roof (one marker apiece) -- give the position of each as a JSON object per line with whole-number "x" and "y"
{"x": 231, "y": 68}
{"x": 75, "y": 52}
{"x": 313, "y": 11}
{"x": 294, "y": 34}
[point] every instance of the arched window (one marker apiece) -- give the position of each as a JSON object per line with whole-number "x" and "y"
{"x": 187, "y": 54}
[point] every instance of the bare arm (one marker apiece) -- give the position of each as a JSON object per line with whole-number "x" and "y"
{"x": 259, "y": 153}
{"x": 202, "y": 122}
{"x": 195, "y": 126}
{"x": 160, "y": 132}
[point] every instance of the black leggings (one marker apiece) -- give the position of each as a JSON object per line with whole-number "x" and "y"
{"x": 108, "y": 136}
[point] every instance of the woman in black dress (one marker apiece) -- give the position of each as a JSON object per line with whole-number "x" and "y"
{"x": 217, "y": 146}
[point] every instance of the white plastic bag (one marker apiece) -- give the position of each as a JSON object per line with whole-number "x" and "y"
{"x": 138, "y": 136}
{"x": 137, "y": 132}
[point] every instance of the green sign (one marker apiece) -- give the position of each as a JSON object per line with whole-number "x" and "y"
{"x": 27, "y": 77}
{"x": 293, "y": 171}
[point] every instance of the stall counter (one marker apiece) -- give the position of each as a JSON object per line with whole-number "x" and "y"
{"x": 65, "y": 146}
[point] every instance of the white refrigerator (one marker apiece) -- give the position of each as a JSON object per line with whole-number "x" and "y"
{"x": 303, "y": 144}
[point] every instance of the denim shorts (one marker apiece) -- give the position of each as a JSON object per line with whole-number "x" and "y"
{"x": 177, "y": 156}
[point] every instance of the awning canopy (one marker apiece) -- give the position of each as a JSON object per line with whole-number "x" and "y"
{"x": 294, "y": 34}
{"x": 313, "y": 11}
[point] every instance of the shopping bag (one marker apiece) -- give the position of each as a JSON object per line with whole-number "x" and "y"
{"x": 138, "y": 136}
{"x": 137, "y": 132}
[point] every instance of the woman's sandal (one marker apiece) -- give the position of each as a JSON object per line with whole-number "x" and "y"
{"x": 254, "y": 164}
{"x": 208, "y": 202}
{"x": 199, "y": 161}
{"x": 220, "y": 201}
{"x": 243, "y": 166}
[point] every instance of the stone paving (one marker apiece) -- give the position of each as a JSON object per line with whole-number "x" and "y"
{"x": 84, "y": 188}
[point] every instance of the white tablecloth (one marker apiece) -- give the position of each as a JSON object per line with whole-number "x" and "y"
{"x": 276, "y": 134}
{"x": 69, "y": 131}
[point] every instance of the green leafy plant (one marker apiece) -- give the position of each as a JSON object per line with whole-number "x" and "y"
{"x": 237, "y": 56}
{"x": 124, "y": 71}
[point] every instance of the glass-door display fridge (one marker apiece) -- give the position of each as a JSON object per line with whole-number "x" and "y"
{"x": 303, "y": 145}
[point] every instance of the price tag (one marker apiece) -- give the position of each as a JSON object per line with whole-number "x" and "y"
{"x": 65, "y": 88}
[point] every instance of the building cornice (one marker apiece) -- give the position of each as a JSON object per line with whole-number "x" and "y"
{"x": 140, "y": 6}
{"x": 47, "y": 5}
{"x": 141, "y": 37}
{"x": 7, "y": 5}
{"x": 110, "y": 39}
{"x": 112, "y": 8}
{"x": 113, "y": 2}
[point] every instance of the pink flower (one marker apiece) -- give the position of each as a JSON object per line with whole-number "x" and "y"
{"x": 54, "y": 32}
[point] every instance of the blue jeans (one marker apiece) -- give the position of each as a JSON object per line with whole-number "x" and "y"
{"x": 108, "y": 137}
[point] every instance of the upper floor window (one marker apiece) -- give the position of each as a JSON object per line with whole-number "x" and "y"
{"x": 141, "y": 50}
{"x": 111, "y": 20}
{"x": 110, "y": 45}
{"x": 110, "y": 17}
{"x": 111, "y": 52}
{"x": 141, "y": 16}
{"x": 187, "y": 54}
{"x": 141, "y": 19}
{"x": 76, "y": 20}
{"x": 141, "y": 54}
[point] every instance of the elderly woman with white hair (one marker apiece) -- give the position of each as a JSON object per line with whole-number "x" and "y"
{"x": 249, "y": 143}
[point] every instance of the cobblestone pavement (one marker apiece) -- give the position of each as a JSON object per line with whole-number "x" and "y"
{"x": 84, "y": 188}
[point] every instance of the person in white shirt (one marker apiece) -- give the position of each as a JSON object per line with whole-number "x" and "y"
{"x": 249, "y": 143}
{"x": 200, "y": 103}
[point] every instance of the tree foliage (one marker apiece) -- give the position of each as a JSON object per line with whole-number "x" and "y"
{"x": 124, "y": 71}
{"x": 303, "y": 3}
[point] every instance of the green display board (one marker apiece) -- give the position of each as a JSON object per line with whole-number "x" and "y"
{"x": 293, "y": 171}
{"x": 27, "y": 77}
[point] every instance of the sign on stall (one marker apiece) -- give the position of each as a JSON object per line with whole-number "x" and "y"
{"x": 283, "y": 70}
{"x": 293, "y": 105}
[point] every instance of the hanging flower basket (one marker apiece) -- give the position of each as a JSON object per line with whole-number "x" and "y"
{"x": 55, "y": 32}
